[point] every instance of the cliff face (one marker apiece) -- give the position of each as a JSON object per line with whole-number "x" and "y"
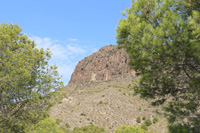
{"x": 107, "y": 63}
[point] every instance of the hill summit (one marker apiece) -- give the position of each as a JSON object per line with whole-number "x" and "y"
{"x": 105, "y": 64}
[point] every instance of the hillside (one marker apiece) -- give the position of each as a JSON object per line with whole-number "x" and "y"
{"x": 100, "y": 92}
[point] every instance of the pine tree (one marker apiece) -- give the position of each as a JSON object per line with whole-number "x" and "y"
{"x": 27, "y": 81}
{"x": 162, "y": 38}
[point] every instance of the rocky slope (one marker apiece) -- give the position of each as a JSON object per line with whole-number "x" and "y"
{"x": 107, "y": 63}
{"x": 100, "y": 92}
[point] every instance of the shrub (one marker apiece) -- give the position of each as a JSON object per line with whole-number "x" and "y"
{"x": 181, "y": 129}
{"x": 131, "y": 129}
{"x": 144, "y": 127}
{"x": 155, "y": 120}
{"x": 46, "y": 126}
{"x": 67, "y": 125}
{"x": 82, "y": 114}
{"x": 58, "y": 121}
{"x": 89, "y": 129}
{"x": 138, "y": 119}
{"x": 148, "y": 122}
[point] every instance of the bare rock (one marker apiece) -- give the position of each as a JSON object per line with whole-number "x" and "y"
{"x": 105, "y": 64}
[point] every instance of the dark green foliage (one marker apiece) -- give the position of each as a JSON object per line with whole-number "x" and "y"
{"x": 182, "y": 129}
{"x": 155, "y": 120}
{"x": 148, "y": 122}
{"x": 143, "y": 126}
{"x": 162, "y": 39}
{"x": 82, "y": 114}
{"x": 138, "y": 119}
{"x": 89, "y": 129}
{"x": 26, "y": 81}
{"x": 67, "y": 125}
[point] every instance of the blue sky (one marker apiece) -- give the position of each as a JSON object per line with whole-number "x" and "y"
{"x": 72, "y": 29}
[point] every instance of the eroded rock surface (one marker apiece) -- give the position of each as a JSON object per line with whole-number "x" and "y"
{"x": 107, "y": 63}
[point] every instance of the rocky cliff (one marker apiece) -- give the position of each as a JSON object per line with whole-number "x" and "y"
{"x": 107, "y": 63}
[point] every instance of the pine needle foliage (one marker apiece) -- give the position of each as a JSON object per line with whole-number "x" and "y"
{"x": 162, "y": 38}
{"x": 27, "y": 82}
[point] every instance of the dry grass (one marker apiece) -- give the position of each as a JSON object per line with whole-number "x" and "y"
{"x": 109, "y": 104}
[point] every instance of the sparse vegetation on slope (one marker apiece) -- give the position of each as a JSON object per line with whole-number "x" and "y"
{"x": 107, "y": 108}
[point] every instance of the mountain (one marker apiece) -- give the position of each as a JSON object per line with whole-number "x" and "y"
{"x": 100, "y": 92}
{"x": 105, "y": 64}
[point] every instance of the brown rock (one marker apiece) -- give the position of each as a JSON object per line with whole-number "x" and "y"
{"x": 107, "y": 63}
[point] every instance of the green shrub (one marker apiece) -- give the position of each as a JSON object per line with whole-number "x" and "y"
{"x": 148, "y": 122}
{"x": 155, "y": 120}
{"x": 67, "y": 125}
{"x": 62, "y": 130}
{"x": 58, "y": 121}
{"x": 82, "y": 114}
{"x": 131, "y": 129}
{"x": 182, "y": 129}
{"x": 89, "y": 129}
{"x": 47, "y": 126}
{"x": 138, "y": 119}
{"x": 144, "y": 127}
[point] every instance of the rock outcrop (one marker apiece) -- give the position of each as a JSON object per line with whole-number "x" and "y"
{"x": 107, "y": 63}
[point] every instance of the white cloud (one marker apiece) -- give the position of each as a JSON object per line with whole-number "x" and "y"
{"x": 72, "y": 39}
{"x": 75, "y": 49}
{"x": 65, "y": 56}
